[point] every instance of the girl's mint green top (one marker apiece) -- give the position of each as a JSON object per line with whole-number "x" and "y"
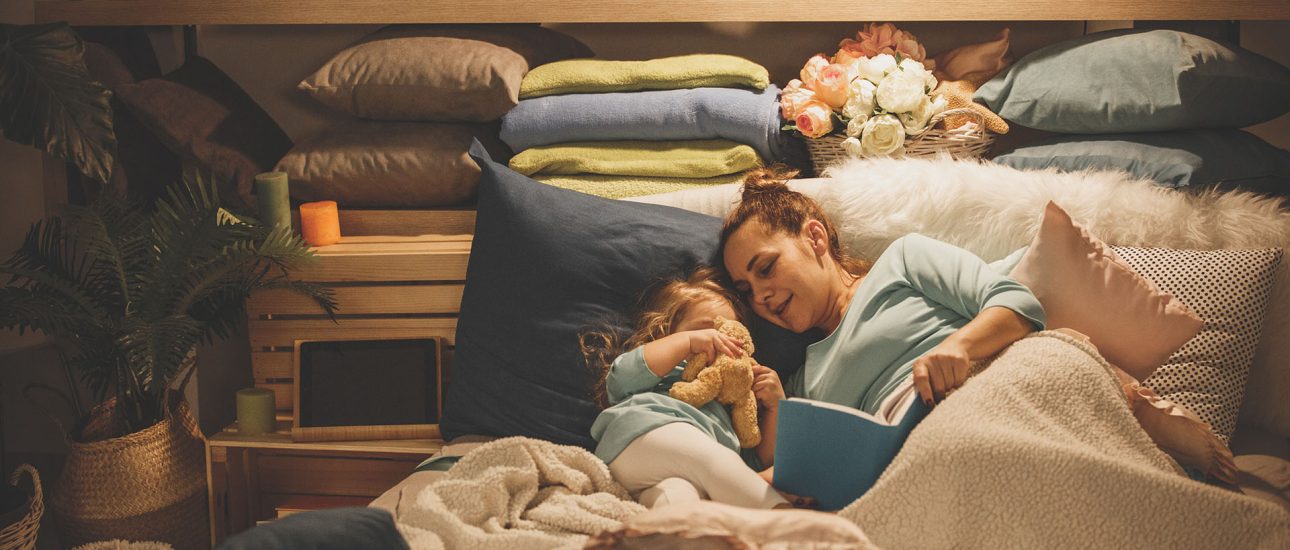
{"x": 916, "y": 294}
{"x": 640, "y": 403}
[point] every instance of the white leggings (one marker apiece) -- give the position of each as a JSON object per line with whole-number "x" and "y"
{"x": 677, "y": 463}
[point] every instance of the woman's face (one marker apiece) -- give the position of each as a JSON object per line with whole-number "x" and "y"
{"x": 784, "y": 278}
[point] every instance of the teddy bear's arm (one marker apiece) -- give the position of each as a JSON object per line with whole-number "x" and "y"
{"x": 699, "y": 392}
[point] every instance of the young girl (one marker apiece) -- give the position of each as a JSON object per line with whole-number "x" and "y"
{"x": 661, "y": 449}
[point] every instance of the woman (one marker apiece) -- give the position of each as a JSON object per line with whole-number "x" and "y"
{"x": 924, "y": 309}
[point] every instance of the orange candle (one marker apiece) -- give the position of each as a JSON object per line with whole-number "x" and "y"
{"x": 320, "y": 223}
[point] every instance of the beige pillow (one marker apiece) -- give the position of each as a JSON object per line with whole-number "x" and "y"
{"x": 438, "y": 72}
{"x": 365, "y": 164}
{"x": 1084, "y": 285}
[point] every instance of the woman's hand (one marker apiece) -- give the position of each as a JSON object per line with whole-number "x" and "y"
{"x": 941, "y": 370}
{"x": 713, "y": 343}
{"x": 767, "y": 387}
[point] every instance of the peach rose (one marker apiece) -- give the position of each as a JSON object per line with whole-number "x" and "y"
{"x": 815, "y": 119}
{"x": 848, "y": 51}
{"x": 831, "y": 85}
{"x": 793, "y": 97}
{"x": 811, "y": 71}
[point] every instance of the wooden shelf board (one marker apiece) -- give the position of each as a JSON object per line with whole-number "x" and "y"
{"x": 260, "y": 12}
{"x": 422, "y": 258}
{"x": 284, "y": 333}
{"x": 363, "y": 300}
{"x": 281, "y": 439}
{"x": 440, "y": 221}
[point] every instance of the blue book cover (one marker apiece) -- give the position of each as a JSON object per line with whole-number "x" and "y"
{"x": 836, "y": 453}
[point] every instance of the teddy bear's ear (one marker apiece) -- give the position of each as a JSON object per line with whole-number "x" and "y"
{"x": 718, "y": 321}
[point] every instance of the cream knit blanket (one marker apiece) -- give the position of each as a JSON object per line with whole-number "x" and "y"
{"x": 1040, "y": 450}
{"x": 517, "y": 493}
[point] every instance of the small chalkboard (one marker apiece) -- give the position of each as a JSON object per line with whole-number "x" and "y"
{"x": 367, "y": 389}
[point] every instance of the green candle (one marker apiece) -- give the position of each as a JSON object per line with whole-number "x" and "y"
{"x": 255, "y": 411}
{"x": 272, "y": 198}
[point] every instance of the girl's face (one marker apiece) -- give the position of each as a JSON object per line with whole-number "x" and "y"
{"x": 700, "y": 315}
{"x": 785, "y": 278}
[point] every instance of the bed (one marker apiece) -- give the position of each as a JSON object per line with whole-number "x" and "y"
{"x": 1260, "y": 441}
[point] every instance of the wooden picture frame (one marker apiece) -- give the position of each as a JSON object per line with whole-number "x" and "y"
{"x": 302, "y": 433}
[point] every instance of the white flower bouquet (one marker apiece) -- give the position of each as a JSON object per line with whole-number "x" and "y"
{"x": 873, "y": 95}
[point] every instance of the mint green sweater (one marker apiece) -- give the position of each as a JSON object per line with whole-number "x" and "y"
{"x": 918, "y": 292}
{"x": 640, "y": 403}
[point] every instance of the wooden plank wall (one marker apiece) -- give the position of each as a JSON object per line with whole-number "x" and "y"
{"x": 394, "y": 274}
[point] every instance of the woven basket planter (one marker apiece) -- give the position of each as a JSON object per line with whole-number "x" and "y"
{"x": 21, "y": 535}
{"x": 148, "y": 485}
{"x": 965, "y": 141}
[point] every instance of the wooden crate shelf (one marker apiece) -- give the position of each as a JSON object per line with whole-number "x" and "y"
{"x": 254, "y": 478}
{"x": 387, "y": 286}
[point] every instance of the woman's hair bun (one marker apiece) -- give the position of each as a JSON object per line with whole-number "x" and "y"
{"x": 767, "y": 180}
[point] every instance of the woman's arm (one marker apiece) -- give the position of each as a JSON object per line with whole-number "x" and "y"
{"x": 946, "y": 366}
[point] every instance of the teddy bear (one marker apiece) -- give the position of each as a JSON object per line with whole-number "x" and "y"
{"x": 728, "y": 380}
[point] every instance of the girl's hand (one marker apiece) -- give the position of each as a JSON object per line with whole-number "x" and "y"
{"x": 767, "y": 387}
{"x": 713, "y": 343}
{"x": 939, "y": 371}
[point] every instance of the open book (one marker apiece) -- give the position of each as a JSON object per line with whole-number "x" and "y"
{"x": 836, "y": 453}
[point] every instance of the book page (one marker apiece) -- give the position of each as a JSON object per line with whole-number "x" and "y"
{"x": 893, "y": 408}
{"x": 840, "y": 408}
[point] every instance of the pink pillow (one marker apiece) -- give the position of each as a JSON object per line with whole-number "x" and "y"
{"x": 1084, "y": 285}
{"x": 986, "y": 58}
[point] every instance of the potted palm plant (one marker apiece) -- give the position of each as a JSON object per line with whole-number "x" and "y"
{"x": 126, "y": 295}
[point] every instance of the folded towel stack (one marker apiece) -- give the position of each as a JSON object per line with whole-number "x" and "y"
{"x": 629, "y": 128}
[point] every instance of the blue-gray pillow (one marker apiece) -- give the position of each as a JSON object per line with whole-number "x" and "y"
{"x": 1174, "y": 159}
{"x": 546, "y": 265}
{"x": 1139, "y": 81}
{"x": 354, "y": 528}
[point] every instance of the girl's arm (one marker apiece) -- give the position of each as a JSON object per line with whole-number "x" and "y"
{"x": 662, "y": 355}
{"x": 640, "y": 369}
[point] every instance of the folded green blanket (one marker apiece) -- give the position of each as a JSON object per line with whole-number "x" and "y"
{"x": 621, "y": 187}
{"x": 589, "y": 76}
{"x": 669, "y": 159}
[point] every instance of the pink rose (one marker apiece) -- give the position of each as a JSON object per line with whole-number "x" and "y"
{"x": 811, "y": 71}
{"x": 831, "y": 85}
{"x": 815, "y": 119}
{"x": 794, "y": 96}
{"x": 886, "y": 38}
{"x": 909, "y": 47}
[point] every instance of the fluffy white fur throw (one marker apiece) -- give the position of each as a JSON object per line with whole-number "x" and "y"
{"x": 1046, "y": 431}
{"x": 517, "y": 493}
{"x": 993, "y": 210}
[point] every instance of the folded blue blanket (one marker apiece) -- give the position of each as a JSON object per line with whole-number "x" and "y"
{"x": 746, "y": 116}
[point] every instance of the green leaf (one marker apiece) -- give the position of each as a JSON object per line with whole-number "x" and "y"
{"x": 47, "y": 99}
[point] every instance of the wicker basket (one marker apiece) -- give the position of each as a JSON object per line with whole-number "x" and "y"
{"x": 147, "y": 485}
{"x": 969, "y": 140}
{"x": 22, "y": 534}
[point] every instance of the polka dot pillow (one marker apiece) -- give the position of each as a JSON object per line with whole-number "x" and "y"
{"x": 1229, "y": 290}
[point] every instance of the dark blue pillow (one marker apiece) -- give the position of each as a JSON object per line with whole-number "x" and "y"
{"x": 1174, "y": 159}
{"x": 546, "y": 265}
{"x": 355, "y": 528}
